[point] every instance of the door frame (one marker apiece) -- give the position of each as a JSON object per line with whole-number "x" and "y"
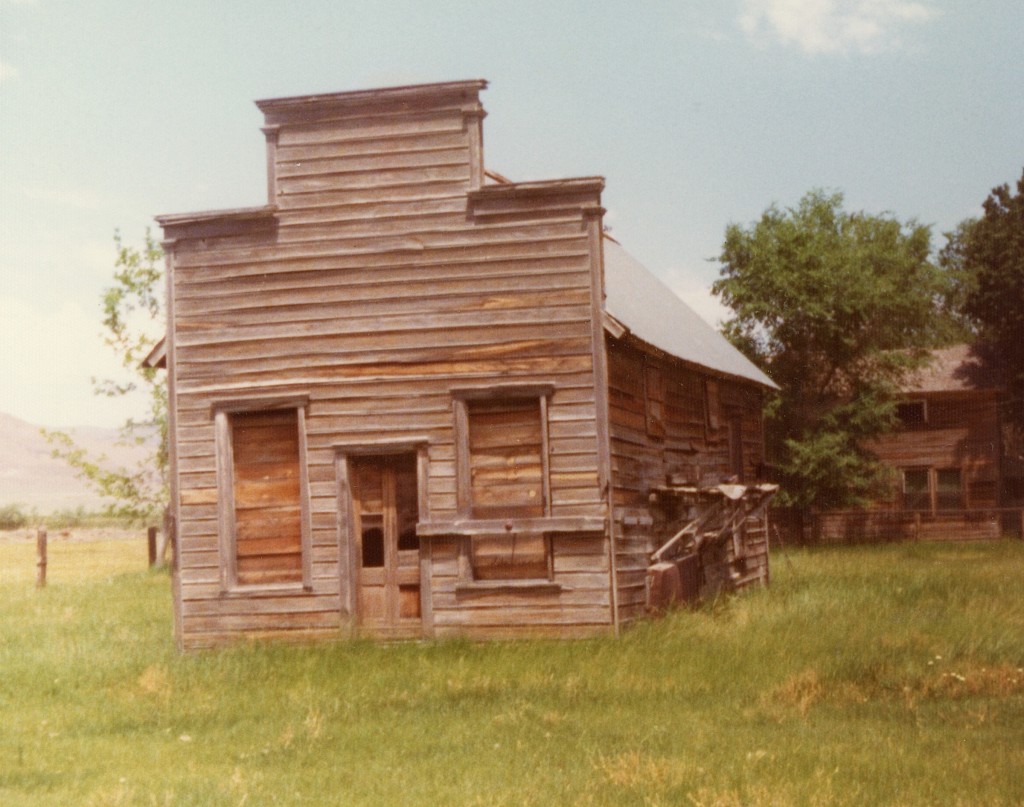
{"x": 348, "y": 557}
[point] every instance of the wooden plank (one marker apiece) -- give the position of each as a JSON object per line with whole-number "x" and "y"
{"x": 373, "y": 252}
{"x": 291, "y": 164}
{"x": 372, "y": 128}
{"x": 392, "y": 146}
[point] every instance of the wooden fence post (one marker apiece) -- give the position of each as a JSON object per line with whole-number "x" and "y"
{"x": 40, "y": 557}
{"x": 151, "y": 544}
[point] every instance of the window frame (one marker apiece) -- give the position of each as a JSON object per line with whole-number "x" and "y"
{"x": 930, "y": 506}
{"x": 908, "y": 424}
{"x": 936, "y": 472}
{"x": 932, "y": 489}
{"x": 463, "y": 461}
{"x": 513, "y": 524}
{"x": 226, "y": 523}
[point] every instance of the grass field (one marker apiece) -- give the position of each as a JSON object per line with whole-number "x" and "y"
{"x": 886, "y": 675}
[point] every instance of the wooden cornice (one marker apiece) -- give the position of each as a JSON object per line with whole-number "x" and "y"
{"x": 416, "y": 96}
{"x": 211, "y": 223}
{"x": 550, "y": 187}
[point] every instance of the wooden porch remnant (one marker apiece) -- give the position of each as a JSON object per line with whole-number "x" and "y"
{"x": 724, "y": 542}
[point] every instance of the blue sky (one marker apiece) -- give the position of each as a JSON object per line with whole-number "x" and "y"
{"x": 697, "y": 114}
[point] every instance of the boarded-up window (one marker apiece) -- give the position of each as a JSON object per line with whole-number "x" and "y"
{"x": 506, "y": 457}
{"x": 519, "y": 556}
{"x": 266, "y": 490}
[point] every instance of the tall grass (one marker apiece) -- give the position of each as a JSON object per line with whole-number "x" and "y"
{"x": 877, "y": 675}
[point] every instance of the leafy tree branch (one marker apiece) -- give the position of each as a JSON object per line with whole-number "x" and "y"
{"x": 132, "y": 324}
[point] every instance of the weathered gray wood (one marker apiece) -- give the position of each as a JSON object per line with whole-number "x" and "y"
{"x": 473, "y": 526}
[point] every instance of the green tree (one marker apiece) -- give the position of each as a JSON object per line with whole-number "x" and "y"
{"x": 836, "y": 307}
{"x": 132, "y": 324}
{"x": 986, "y": 258}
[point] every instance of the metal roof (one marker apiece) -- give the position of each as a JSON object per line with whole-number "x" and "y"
{"x": 957, "y": 368}
{"x": 652, "y": 312}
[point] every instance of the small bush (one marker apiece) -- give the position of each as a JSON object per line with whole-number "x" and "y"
{"x": 12, "y": 517}
{"x": 67, "y": 518}
{"x": 16, "y": 517}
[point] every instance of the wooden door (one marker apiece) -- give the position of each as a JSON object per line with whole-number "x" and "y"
{"x": 386, "y": 509}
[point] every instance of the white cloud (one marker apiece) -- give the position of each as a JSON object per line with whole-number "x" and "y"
{"x": 833, "y": 26}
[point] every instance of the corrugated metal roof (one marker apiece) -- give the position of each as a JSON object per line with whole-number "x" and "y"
{"x": 653, "y": 313}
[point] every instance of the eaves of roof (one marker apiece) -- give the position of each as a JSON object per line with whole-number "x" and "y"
{"x": 641, "y": 305}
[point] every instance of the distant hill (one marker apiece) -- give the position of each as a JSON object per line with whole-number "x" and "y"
{"x": 32, "y": 478}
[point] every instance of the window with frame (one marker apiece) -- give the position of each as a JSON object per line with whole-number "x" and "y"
{"x": 932, "y": 489}
{"x": 502, "y": 469}
{"x": 912, "y": 413}
{"x": 507, "y": 463}
{"x": 262, "y": 492}
{"x": 916, "y": 490}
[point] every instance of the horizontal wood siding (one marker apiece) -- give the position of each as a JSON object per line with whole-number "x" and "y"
{"x": 378, "y": 293}
{"x": 577, "y": 604}
{"x": 960, "y": 431}
{"x": 870, "y": 526}
{"x": 660, "y": 429}
{"x": 954, "y": 431}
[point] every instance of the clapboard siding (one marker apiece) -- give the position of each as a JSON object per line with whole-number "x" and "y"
{"x": 960, "y": 432}
{"x": 376, "y": 284}
{"x": 380, "y": 150}
{"x": 345, "y": 162}
{"x": 658, "y": 434}
{"x": 578, "y": 604}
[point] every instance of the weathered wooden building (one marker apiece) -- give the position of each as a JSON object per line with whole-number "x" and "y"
{"x": 410, "y": 398}
{"x": 953, "y": 479}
